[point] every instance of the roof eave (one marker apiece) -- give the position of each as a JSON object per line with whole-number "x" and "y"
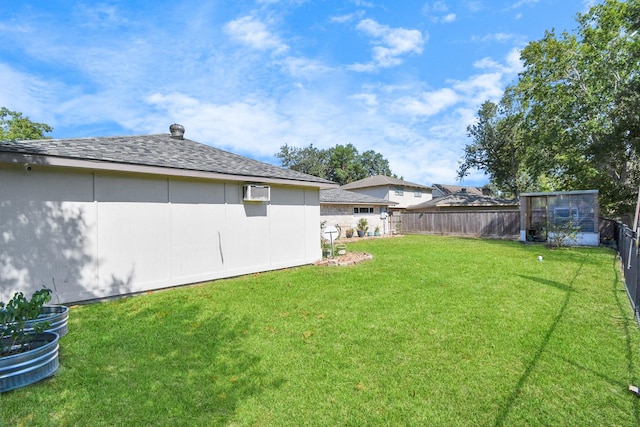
{"x": 110, "y": 166}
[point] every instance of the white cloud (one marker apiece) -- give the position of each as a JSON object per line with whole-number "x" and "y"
{"x": 487, "y": 63}
{"x": 448, "y": 18}
{"x": 390, "y": 44}
{"x": 243, "y": 126}
{"x": 252, "y": 32}
{"x": 438, "y": 11}
{"x": 368, "y": 99}
{"x": 497, "y": 37}
{"x": 305, "y": 68}
{"x": 436, "y": 6}
{"x": 428, "y": 104}
{"x": 28, "y": 94}
{"x": 512, "y": 64}
{"x": 100, "y": 15}
{"x": 521, "y": 3}
{"x": 342, "y": 19}
{"x": 473, "y": 5}
{"x": 362, "y": 68}
{"x": 481, "y": 87}
{"x": 362, "y": 3}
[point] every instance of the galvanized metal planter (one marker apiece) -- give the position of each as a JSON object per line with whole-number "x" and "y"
{"x": 19, "y": 370}
{"x": 56, "y": 315}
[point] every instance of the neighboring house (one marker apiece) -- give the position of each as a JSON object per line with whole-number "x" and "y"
{"x": 98, "y": 217}
{"x": 463, "y": 201}
{"x": 403, "y": 193}
{"x": 441, "y": 190}
{"x": 344, "y": 208}
{"x": 464, "y": 214}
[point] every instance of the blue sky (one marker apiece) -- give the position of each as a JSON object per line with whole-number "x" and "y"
{"x": 404, "y": 78}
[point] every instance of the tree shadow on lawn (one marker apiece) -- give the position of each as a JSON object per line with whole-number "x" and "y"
{"x": 560, "y": 286}
{"x": 569, "y": 289}
{"x": 159, "y": 366}
{"x": 623, "y": 309}
{"x": 506, "y": 408}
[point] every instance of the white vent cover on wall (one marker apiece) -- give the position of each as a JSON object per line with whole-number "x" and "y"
{"x": 256, "y": 193}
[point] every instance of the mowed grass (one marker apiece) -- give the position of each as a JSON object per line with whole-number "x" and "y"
{"x": 434, "y": 331}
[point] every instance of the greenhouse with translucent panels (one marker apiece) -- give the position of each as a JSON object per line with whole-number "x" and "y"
{"x": 571, "y": 216}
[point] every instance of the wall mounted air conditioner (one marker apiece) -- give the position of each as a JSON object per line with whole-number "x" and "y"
{"x": 256, "y": 193}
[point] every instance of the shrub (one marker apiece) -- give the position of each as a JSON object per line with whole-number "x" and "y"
{"x": 14, "y": 316}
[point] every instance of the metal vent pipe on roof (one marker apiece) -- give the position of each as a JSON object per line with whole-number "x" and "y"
{"x": 177, "y": 131}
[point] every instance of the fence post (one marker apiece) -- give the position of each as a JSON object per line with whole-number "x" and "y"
{"x": 636, "y": 257}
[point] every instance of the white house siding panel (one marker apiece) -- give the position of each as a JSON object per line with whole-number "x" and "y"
{"x": 89, "y": 235}
{"x": 245, "y": 240}
{"x": 196, "y": 250}
{"x": 47, "y": 232}
{"x": 133, "y": 234}
{"x": 287, "y": 227}
{"x": 313, "y": 250}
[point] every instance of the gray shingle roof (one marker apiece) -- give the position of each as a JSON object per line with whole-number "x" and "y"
{"x": 462, "y": 199}
{"x": 447, "y": 189}
{"x": 340, "y": 196}
{"x": 155, "y": 150}
{"x": 380, "y": 181}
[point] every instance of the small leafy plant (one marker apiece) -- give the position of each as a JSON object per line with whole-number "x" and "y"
{"x": 363, "y": 224}
{"x": 14, "y": 316}
{"x": 562, "y": 234}
{"x": 326, "y": 247}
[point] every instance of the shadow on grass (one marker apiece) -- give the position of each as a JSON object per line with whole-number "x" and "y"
{"x": 627, "y": 335}
{"x": 506, "y": 408}
{"x": 163, "y": 364}
{"x": 552, "y": 283}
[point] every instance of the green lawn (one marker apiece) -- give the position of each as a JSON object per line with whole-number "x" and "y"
{"x": 434, "y": 331}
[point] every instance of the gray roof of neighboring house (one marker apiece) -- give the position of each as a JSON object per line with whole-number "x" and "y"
{"x": 161, "y": 150}
{"x": 446, "y": 189}
{"x": 380, "y": 181}
{"x": 338, "y": 196}
{"x": 465, "y": 199}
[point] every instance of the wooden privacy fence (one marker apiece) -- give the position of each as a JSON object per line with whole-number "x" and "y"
{"x": 496, "y": 223}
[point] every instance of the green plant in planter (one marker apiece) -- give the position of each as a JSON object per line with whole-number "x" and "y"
{"x": 349, "y": 233}
{"x": 326, "y": 247}
{"x": 363, "y": 226}
{"x": 14, "y": 315}
{"x": 376, "y": 231}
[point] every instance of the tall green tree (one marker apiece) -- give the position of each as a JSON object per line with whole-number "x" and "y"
{"x": 342, "y": 163}
{"x": 374, "y": 163}
{"x": 578, "y": 104}
{"x": 15, "y": 126}
{"x": 309, "y": 160}
{"x": 499, "y": 147}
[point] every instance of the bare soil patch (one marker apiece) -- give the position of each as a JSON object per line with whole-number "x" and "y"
{"x": 350, "y": 258}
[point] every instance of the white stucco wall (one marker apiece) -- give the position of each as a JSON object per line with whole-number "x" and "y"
{"x": 408, "y": 198}
{"x": 91, "y": 235}
{"x": 343, "y": 216}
